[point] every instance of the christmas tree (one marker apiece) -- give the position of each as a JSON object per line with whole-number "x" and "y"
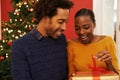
{"x": 21, "y": 21}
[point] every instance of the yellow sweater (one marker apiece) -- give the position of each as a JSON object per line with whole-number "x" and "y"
{"x": 79, "y": 55}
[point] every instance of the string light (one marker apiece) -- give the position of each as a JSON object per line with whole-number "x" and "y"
{"x": 5, "y": 23}
{"x": 16, "y": 37}
{"x": 20, "y": 19}
{"x": 19, "y": 4}
{"x": 31, "y": 9}
{"x": 27, "y": 6}
{"x": 21, "y": 35}
{"x": 4, "y": 29}
{"x": 3, "y": 41}
{"x": 26, "y": 26}
{"x": 24, "y": 33}
{"x": 14, "y": 13}
{"x": 10, "y": 20}
{"x": 9, "y": 31}
{"x": 13, "y": 35}
{"x": 18, "y": 13}
{"x": 16, "y": 20}
{"x": 1, "y": 47}
{"x": 6, "y": 55}
{"x": 6, "y": 40}
{"x": 19, "y": 31}
{"x": 33, "y": 1}
{"x": 25, "y": 2}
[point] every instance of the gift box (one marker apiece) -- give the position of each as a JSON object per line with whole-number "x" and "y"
{"x": 97, "y": 73}
{"x": 95, "y": 76}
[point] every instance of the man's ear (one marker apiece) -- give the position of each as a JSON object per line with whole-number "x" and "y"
{"x": 45, "y": 19}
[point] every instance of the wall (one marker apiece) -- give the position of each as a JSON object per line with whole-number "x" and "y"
{"x": 118, "y": 32}
{"x": 0, "y": 19}
{"x": 104, "y": 12}
{"x": 6, "y": 6}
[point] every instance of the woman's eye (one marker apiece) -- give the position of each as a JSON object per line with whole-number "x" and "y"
{"x": 86, "y": 27}
{"x": 77, "y": 28}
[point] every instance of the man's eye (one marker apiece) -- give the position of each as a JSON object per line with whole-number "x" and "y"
{"x": 60, "y": 22}
{"x": 77, "y": 28}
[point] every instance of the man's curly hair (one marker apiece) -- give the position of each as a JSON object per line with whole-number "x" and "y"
{"x": 49, "y": 7}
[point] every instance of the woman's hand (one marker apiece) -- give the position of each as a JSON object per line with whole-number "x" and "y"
{"x": 104, "y": 56}
{"x": 70, "y": 78}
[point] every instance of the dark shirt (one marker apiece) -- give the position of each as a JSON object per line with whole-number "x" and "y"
{"x": 35, "y": 57}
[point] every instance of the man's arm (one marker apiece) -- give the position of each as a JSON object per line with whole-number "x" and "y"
{"x": 19, "y": 65}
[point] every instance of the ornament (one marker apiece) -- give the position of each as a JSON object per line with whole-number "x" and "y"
{"x": 28, "y": 9}
{"x": 25, "y": 0}
{"x": 9, "y": 43}
{"x": 34, "y": 19}
{"x": 30, "y": 28}
{"x": 2, "y": 57}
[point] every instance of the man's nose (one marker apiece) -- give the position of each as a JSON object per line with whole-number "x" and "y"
{"x": 63, "y": 26}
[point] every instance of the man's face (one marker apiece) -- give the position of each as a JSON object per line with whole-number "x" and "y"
{"x": 57, "y": 24}
{"x": 84, "y": 27}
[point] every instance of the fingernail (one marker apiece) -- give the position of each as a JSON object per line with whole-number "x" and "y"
{"x": 95, "y": 57}
{"x": 99, "y": 59}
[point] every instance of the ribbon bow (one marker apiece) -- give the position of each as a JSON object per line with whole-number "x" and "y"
{"x": 96, "y": 69}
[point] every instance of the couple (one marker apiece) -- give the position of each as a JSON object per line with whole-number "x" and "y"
{"x": 43, "y": 53}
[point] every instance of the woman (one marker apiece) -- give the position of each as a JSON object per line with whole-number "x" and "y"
{"x": 80, "y": 49}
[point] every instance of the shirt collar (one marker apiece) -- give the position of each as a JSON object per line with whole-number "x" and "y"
{"x": 36, "y": 33}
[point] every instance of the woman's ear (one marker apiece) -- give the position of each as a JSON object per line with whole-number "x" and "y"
{"x": 94, "y": 25}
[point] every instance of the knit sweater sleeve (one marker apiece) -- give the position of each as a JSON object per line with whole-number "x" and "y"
{"x": 112, "y": 49}
{"x": 19, "y": 65}
{"x": 70, "y": 55}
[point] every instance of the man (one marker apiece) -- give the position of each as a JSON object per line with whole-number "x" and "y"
{"x": 41, "y": 54}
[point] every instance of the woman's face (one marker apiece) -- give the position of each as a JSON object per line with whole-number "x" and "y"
{"x": 84, "y": 28}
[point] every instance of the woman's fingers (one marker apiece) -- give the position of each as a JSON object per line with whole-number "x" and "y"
{"x": 104, "y": 56}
